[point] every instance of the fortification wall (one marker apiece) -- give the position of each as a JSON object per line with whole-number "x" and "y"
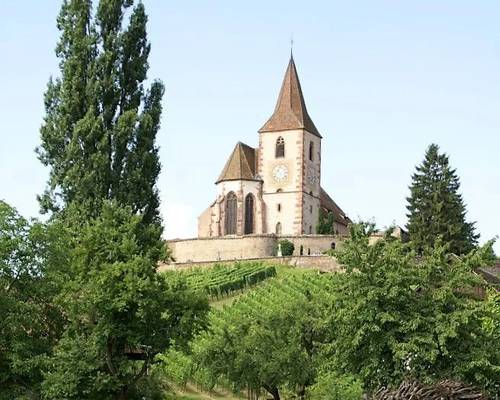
{"x": 230, "y": 248}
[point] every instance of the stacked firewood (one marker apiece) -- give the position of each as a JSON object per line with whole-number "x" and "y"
{"x": 445, "y": 390}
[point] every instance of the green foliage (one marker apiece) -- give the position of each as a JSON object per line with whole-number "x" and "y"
{"x": 287, "y": 247}
{"x": 436, "y": 208}
{"x": 120, "y": 312}
{"x": 223, "y": 280}
{"x": 326, "y": 222}
{"x": 177, "y": 366}
{"x": 98, "y": 135}
{"x": 397, "y": 315}
{"x": 30, "y": 253}
{"x": 329, "y": 386}
{"x": 271, "y": 338}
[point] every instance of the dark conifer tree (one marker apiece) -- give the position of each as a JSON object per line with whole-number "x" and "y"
{"x": 436, "y": 208}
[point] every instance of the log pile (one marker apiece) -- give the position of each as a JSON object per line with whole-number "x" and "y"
{"x": 445, "y": 390}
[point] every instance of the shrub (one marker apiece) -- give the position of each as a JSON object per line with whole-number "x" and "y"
{"x": 334, "y": 387}
{"x": 287, "y": 247}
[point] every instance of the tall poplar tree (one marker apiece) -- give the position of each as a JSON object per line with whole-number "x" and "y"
{"x": 98, "y": 140}
{"x": 98, "y": 136}
{"x": 436, "y": 208}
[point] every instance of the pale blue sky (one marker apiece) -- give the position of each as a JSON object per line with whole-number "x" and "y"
{"x": 382, "y": 80}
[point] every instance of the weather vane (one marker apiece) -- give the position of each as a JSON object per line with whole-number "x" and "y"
{"x": 291, "y": 44}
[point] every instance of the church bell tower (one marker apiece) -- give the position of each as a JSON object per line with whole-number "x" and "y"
{"x": 289, "y": 162}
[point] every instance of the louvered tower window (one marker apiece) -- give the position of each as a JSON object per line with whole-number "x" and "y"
{"x": 280, "y": 147}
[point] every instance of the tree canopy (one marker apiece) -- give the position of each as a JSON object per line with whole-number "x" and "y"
{"x": 398, "y": 315}
{"x": 30, "y": 253}
{"x": 436, "y": 208}
{"x": 100, "y": 126}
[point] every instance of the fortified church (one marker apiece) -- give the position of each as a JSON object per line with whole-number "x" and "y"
{"x": 269, "y": 192}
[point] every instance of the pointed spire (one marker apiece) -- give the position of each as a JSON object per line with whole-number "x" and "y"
{"x": 290, "y": 111}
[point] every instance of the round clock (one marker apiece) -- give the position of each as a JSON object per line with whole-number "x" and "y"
{"x": 280, "y": 173}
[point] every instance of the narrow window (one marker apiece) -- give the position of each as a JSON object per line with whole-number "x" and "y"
{"x": 278, "y": 228}
{"x": 249, "y": 204}
{"x": 332, "y": 246}
{"x": 311, "y": 151}
{"x": 301, "y": 250}
{"x": 308, "y": 252}
{"x": 280, "y": 147}
{"x": 311, "y": 209}
{"x": 231, "y": 208}
{"x": 310, "y": 230}
{"x": 279, "y": 207}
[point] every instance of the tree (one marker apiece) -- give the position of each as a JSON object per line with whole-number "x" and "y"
{"x": 325, "y": 223}
{"x": 121, "y": 313}
{"x": 98, "y": 136}
{"x": 436, "y": 208}
{"x": 397, "y": 316}
{"x": 276, "y": 348}
{"x": 31, "y": 323}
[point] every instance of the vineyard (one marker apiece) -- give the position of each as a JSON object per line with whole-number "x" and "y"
{"x": 223, "y": 280}
{"x": 277, "y": 308}
{"x": 273, "y": 295}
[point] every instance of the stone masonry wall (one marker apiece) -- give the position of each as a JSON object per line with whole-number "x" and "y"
{"x": 246, "y": 247}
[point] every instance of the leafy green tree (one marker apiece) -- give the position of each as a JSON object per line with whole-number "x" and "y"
{"x": 436, "y": 208}
{"x": 397, "y": 315}
{"x": 31, "y": 322}
{"x": 325, "y": 223}
{"x": 276, "y": 349}
{"x": 330, "y": 386}
{"x": 98, "y": 136}
{"x": 121, "y": 313}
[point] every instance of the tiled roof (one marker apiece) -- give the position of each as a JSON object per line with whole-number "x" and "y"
{"x": 290, "y": 112}
{"x": 241, "y": 164}
{"x": 328, "y": 204}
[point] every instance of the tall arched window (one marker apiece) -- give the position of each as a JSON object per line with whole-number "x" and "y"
{"x": 249, "y": 203}
{"x": 280, "y": 147}
{"x": 231, "y": 209}
{"x": 278, "y": 228}
{"x": 311, "y": 150}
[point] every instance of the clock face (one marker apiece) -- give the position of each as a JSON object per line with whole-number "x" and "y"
{"x": 280, "y": 173}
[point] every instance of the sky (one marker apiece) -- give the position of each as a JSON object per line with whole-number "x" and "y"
{"x": 382, "y": 80}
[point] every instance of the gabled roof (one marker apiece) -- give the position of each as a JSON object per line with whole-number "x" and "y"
{"x": 241, "y": 164}
{"x": 328, "y": 204}
{"x": 290, "y": 111}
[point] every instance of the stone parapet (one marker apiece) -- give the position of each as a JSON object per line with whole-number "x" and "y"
{"x": 230, "y": 248}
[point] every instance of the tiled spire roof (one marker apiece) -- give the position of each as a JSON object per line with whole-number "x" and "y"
{"x": 241, "y": 164}
{"x": 290, "y": 112}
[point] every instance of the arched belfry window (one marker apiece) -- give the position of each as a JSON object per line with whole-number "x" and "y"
{"x": 231, "y": 209}
{"x": 249, "y": 205}
{"x": 311, "y": 151}
{"x": 280, "y": 147}
{"x": 278, "y": 228}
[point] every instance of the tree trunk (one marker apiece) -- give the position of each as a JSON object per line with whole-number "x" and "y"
{"x": 122, "y": 394}
{"x": 273, "y": 390}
